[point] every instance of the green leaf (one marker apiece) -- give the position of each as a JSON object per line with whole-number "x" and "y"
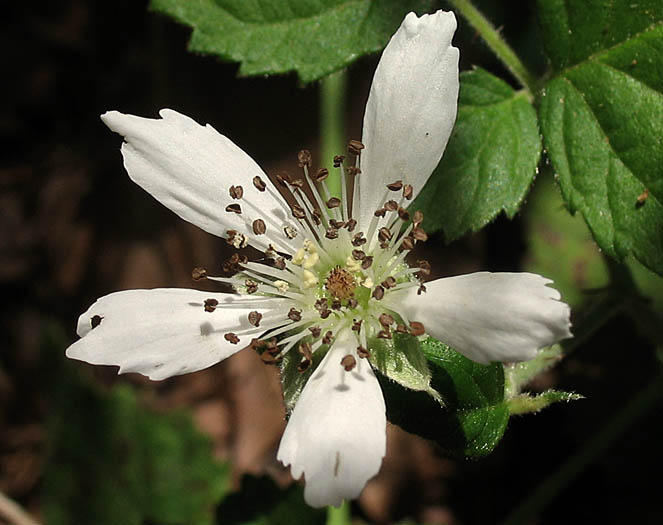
{"x": 312, "y": 37}
{"x": 490, "y": 161}
{"x": 560, "y": 247}
{"x": 474, "y": 415}
{"x": 602, "y": 119}
{"x": 261, "y": 502}
{"x": 518, "y": 375}
{"x": 112, "y": 461}
{"x": 528, "y": 404}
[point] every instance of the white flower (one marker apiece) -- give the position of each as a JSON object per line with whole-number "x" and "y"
{"x": 334, "y": 274}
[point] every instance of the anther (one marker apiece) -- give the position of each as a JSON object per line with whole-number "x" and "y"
{"x": 408, "y": 191}
{"x": 417, "y": 329}
{"x": 403, "y": 214}
{"x": 259, "y": 227}
{"x": 303, "y": 366}
{"x": 338, "y": 160}
{"x": 356, "y": 325}
{"x": 304, "y": 158}
{"x": 198, "y": 274}
{"x": 290, "y": 232}
{"x": 297, "y": 183}
{"x": 234, "y": 208}
{"x": 324, "y": 314}
{"x": 408, "y": 243}
{"x": 317, "y": 217}
{"x": 259, "y": 183}
{"x": 353, "y": 171}
{"x": 348, "y": 363}
{"x": 210, "y": 305}
{"x": 395, "y": 186}
{"x": 331, "y": 233}
{"x": 386, "y": 320}
{"x": 321, "y": 304}
{"x": 358, "y": 255}
{"x": 384, "y": 234}
{"x": 236, "y": 239}
{"x": 419, "y": 234}
{"x": 378, "y": 293}
{"x": 283, "y": 179}
{"x": 336, "y": 304}
{"x": 315, "y": 331}
{"x": 306, "y": 350}
{"x": 281, "y": 286}
{"x": 391, "y": 205}
{"x": 268, "y": 358}
{"x": 251, "y": 286}
{"x": 295, "y": 315}
{"x": 363, "y": 353}
{"x": 384, "y": 334}
{"x": 358, "y": 239}
{"x": 334, "y": 202}
{"x": 424, "y": 268}
{"x": 421, "y": 289}
{"x": 280, "y": 263}
{"x": 298, "y": 211}
{"x": 418, "y": 218}
{"x": 380, "y": 212}
{"x": 366, "y": 263}
{"x": 328, "y": 338}
{"x": 254, "y": 318}
{"x": 321, "y": 174}
{"x": 355, "y": 147}
{"x": 236, "y": 192}
{"x": 351, "y": 225}
{"x": 389, "y": 282}
{"x": 231, "y": 338}
{"x": 402, "y": 329}
{"x": 336, "y": 224}
{"x": 384, "y": 245}
{"x": 352, "y": 303}
{"x": 95, "y": 321}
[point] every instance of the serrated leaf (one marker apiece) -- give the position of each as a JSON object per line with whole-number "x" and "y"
{"x": 312, "y": 37}
{"x": 602, "y": 119}
{"x": 474, "y": 415}
{"x": 560, "y": 246}
{"x": 112, "y": 461}
{"x": 528, "y": 404}
{"x": 490, "y": 160}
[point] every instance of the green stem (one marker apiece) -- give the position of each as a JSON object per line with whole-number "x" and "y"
{"x": 332, "y": 126}
{"x": 619, "y": 423}
{"x": 339, "y": 516}
{"x": 496, "y": 43}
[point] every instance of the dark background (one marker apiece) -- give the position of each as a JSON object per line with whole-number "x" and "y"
{"x": 73, "y": 227}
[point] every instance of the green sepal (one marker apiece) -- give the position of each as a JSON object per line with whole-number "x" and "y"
{"x": 528, "y": 403}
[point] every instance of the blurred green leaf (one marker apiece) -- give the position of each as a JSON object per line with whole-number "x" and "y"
{"x": 560, "y": 246}
{"x": 474, "y": 415}
{"x": 261, "y": 502}
{"x": 490, "y": 161}
{"x": 112, "y": 461}
{"x": 601, "y": 115}
{"x": 530, "y": 404}
{"x": 312, "y": 37}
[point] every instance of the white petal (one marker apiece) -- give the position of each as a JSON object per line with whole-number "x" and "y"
{"x": 336, "y": 435}
{"x": 492, "y": 316}
{"x": 411, "y": 108}
{"x": 164, "y": 332}
{"x": 189, "y": 168}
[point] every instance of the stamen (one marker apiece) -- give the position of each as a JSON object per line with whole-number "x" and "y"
{"x": 259, "y": 183}
{"x": 395, "y": 186}
{"x": 417, "y": 328}
{"x": 338, "y": 160}
{"x": 328, "y": 338}
{"x": 408, "y": 191}
{"x": 231, "y": 338}
{"x": 210, "y": 305}
{"x": 384, "y": 334}
{"x": 386, "y": 320}
{"x": 198, "y": 274}
{"x": 363, "y": 353}
{"x": 315, "y": 331}
{"x": 234, "y": 208}
{"x": 304, "y": 158}
{"x": 348, "y": 363}
{"x": 255, "y": 317}
{"x": 295, "y": 315}
{"x": 378, "y": 293}
{"x": 236, "y": 192}
{"x": 95, "y": 321}
{"x": 355, "y": 147}
{"x": 259, "y": 227}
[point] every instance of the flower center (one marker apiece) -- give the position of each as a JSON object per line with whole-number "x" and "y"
{"x": 340, "y": 283}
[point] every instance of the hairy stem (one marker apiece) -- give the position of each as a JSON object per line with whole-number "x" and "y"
{"x": 339, "y": 516}
{"x": 496, "y": 43}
